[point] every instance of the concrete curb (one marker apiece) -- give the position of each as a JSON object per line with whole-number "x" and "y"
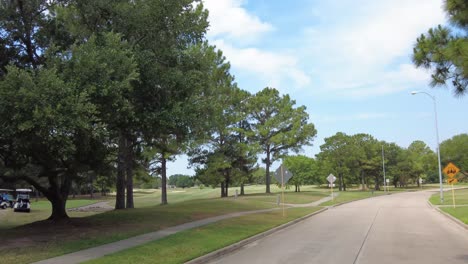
{"x": 460, "y": 223}
{"x": 231, "y": 248}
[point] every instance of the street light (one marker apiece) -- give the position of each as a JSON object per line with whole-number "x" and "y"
{"x": 438, "y": 145}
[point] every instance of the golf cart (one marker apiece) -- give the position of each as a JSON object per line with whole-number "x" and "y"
{"x": 22, "y": 203}
{"x": 6, "y": 199}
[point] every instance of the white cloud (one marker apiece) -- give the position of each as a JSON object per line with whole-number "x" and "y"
{"x": 274, "y": 69}
{"x": 228, "y": 19}
{"x": 368, "y": 52}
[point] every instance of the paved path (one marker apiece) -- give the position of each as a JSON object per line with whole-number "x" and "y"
{"x": 398, "y": 228}
{"x": 100, "y": 251}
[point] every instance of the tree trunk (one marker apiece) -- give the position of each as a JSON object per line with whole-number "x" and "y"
{"x": 295, "y": 185}
{"x": 298, "y": 188}
{"x": 163, "y": 180}
{"x": 222, "y": 190}
{"x": 340, "y": 182}
{"x": 242, "y": 189}
{"x": 58, "y": 208}
{"x": 57, "y": 195}
{"x": 227, "y": 187}
{"x": 377, "y": 183}
{"x": 120, "y": 185}
{"x": 129, "y": 171}
{"x": 363, "y": 182}
{"x": 267, "y": 174}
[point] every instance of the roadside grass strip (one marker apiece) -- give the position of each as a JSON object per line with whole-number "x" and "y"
{"x": 190, "y": 244}
{"x": 461, "y": 202}
{"x": 349, "y": 196}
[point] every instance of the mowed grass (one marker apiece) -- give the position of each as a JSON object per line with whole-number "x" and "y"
{"x": 40, "y": 210}
{"x": 351, "y": 196}
{"x": 196, "y": 242}
{"x": 461, "y": 201}
{"x": 461, "y": 197}
{"x": 37, "y": 241}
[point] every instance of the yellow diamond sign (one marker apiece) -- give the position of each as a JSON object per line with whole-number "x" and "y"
{"x": 451, "y": 170}
{"x": 452, "y": 181}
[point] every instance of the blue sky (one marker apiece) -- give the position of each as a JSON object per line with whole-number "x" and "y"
{"x": 347, "y": 61}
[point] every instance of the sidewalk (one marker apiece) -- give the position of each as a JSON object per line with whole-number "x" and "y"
{"x": 101, "y": 251}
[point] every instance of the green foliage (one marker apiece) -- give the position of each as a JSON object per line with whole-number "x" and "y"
{"x": 455, "y": 150}
{"x": 278, "y": 126}
{"x": 445, "y": 50}
{"x": 304, "y": 170}
{"x": 181, "y": 181}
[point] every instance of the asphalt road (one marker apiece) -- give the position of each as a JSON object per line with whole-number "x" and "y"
{"x": 398, "y": 228}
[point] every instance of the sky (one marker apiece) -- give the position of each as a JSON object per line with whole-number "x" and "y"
{"x": 347, "y": 61}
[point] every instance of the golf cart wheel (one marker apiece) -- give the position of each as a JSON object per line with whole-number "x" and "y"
{"x": 28, "y": 211}
{"x": 4, "y": 206}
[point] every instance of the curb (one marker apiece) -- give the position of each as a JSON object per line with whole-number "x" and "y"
{"x": 458, "y": 222}
{"x": 231, "y": 248}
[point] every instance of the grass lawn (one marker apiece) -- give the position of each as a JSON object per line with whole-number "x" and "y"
{"x": 461, "y": 202}
{"x": 351, "y": 196}
{"x": 42, "y": 240}
{"x": 193, "y": 243}
{"x": 40, "y": 210}
{"x": 461, "y": 197}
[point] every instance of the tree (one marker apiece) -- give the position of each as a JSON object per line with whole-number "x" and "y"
{"x": 338, "y": 152}
{"x": 445, "y": 49}
{"x": 49, "y": 138}
{"x": 368, "y": 159}
{"x": 278, "y": 126}
{"x": 225, "y": 154}
{"x": 172, "y": 72}
{"x": 420, "y": 156}
{"x": 303, "y": 168}
{"x": 455, "y": 150}
{"x": 181, "y": 181}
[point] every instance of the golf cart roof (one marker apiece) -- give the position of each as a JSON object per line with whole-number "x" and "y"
{"x": 23, "y": 190}
{"x": 6, "y": 190}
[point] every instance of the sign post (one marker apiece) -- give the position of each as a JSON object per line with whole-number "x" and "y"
{"x": 282, "y": 175}
{"x": 451, "y": 170}
{"x": 331, "y": 179}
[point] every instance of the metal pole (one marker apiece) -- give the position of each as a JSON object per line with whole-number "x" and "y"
{"x": 438, "y": 151}
{"x": 383, "y": 166}
{"x": 438, "y": 144}
{"x": 282, "y": 185}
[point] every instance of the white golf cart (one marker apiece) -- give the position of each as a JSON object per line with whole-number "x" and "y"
{"x": 22, "y": 203}
{"x": 6, "y": 199}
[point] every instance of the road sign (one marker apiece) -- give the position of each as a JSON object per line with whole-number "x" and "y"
{"x": 451, "y": 170}
{"x": 286, "y": 175}
{"x": 452, "y": 180}
{"x": 331, "y": 178}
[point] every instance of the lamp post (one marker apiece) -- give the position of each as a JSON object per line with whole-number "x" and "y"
{"x": 383, "y": 166}
{"x": 438, "y": 145}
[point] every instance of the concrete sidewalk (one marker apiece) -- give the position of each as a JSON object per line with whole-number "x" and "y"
{"x": 101, "y": 251}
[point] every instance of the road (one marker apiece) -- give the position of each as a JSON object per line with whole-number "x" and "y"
{"x": 398, "y": 228}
